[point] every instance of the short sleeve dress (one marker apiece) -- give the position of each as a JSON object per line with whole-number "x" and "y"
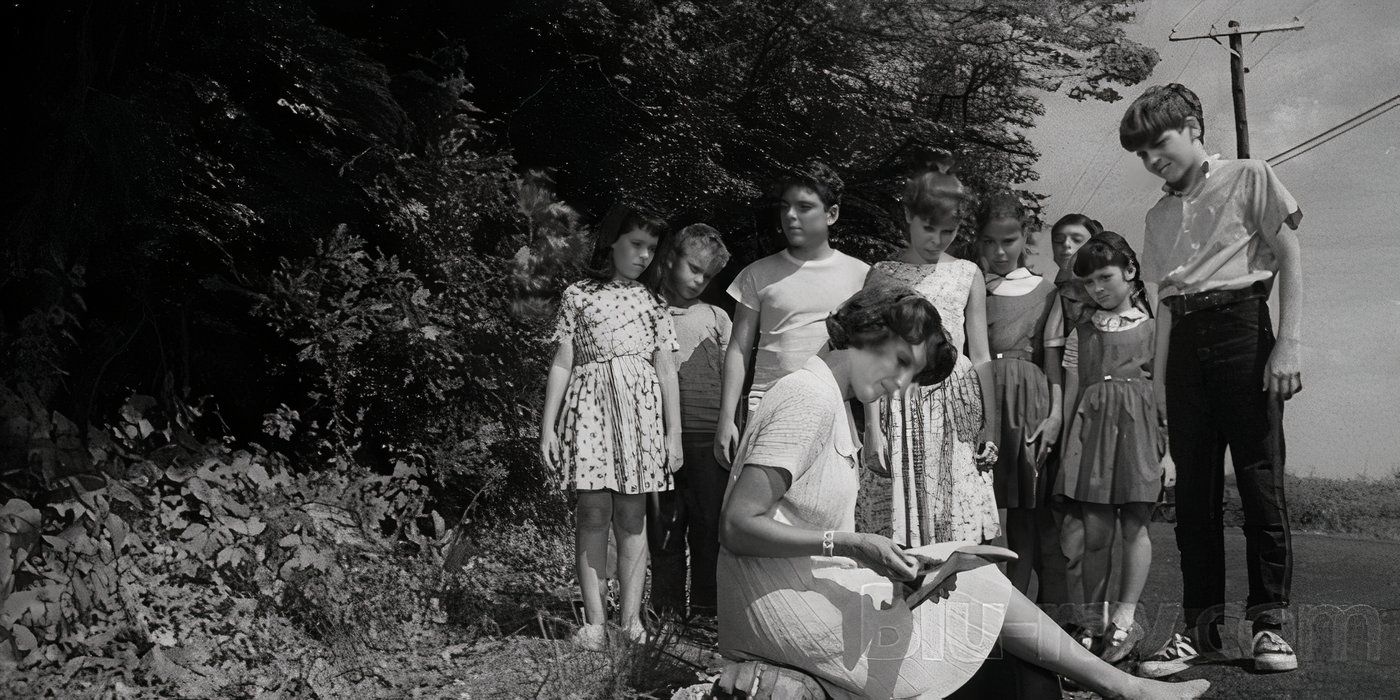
{"x": 1115, "y": 438}
{"x": 611, "y": 430}
{"x": 1015, "y": 328}
{"x": 935, "y": 492}
{"x": 841, "y": 622}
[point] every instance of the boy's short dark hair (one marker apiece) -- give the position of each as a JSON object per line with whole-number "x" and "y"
{"x": 699, "y": 238}
{"x": 815, "y": 176}
{"x": 1160, "y": 108}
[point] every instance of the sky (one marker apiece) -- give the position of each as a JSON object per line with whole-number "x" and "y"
{"x": 1346, "y": 421}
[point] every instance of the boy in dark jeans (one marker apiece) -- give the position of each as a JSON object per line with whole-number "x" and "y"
{"x": 689, "y": 514}
{"x": 1216, "y": 244}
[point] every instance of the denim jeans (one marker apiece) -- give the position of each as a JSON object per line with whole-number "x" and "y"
{"x": 1216, "y": 398}
{"x": 687, "y": 516}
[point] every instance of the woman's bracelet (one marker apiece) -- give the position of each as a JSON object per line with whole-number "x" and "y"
{"x": 828, "y": 543}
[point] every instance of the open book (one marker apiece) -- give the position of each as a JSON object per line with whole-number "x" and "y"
{"x": 939, "y": 561}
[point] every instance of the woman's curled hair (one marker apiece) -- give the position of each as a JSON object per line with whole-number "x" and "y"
{"x": 881, "y": 311}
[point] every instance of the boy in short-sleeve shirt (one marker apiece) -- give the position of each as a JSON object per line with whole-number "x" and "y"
{"x": 1216, "y": 243}
{"x": 688, "y": 516}
{"x": 784, "y": 299}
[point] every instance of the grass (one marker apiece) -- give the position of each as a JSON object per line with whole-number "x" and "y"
{"x": 1359, "y": 507}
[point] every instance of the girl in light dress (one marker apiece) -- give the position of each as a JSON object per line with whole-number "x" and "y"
{"x": 1115, "y": 453}
{"x": 924, "y": 483}
{"x": 1018, "y": 303}
{"x": 618, "y": 437}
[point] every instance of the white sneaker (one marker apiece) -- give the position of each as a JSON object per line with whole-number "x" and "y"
{"x": 1177, "y": 655}
{"x": 1271, "y": 653}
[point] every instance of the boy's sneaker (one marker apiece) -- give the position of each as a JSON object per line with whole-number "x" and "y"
{"x": 1177, "y": 655}
{"x": 1271, "y": 653}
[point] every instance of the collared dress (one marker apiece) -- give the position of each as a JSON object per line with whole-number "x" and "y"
{"x": 1015, "y": 328}
{"x": 1115, "y": 444}
{"x": 842, "y": 623}
{"x": 611, "y": 430}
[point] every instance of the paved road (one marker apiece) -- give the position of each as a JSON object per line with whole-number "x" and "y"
{"x": 1346, "y": 594}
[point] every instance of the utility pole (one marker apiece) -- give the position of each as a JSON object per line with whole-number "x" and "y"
{"x": 1237, "y": 70}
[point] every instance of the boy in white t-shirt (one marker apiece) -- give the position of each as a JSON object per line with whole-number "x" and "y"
{"x": 784, "y": 299}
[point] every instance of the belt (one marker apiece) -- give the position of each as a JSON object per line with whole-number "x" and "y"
{"x": 1012, "y": 355}
{"x": 1182, "y": 304}
{"x": 591, "y": 358}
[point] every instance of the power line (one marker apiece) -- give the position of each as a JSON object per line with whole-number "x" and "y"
{"x": 1332, "y": 133}
{"x": 1190, "y": 57}
{"x": 1281, "y": 39}
{"x": 1188, "y": 14}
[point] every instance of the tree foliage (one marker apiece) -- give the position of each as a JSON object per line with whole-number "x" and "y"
{"x": 694, "y": 106}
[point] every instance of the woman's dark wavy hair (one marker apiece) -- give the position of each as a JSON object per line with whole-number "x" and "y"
{"x": 622, "y": 219}
{"x": 1105, "y": 249}
{"x": 881, "y": 311}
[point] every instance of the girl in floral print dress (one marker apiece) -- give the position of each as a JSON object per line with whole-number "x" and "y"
{"x": 927, "y": 456}
{"x": 618, "y": 436}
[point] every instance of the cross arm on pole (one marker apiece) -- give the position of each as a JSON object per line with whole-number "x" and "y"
{"x": 1293, "y": 26}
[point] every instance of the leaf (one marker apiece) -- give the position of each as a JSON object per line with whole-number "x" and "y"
{"x": 179, "y": 473}
{"x": 23, "y": 638}
{"x": 199, "y": 488}
{"x": 18, "y": 516}
{"x": 259, "y": 476}
{"x": 118, "y": 530}
{"x": 230, "y": 555}
{"x": 121, "y": 493}
{"x": 291, "y": 540}
{"x": 251, "y": 526}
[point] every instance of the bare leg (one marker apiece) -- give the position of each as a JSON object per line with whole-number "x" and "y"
{"x": 1099, "y": 524}
{"x": 1031, "y": 635}
{"x": 1021, "y": 538}
{"x": 594, "y": 516}
{"x": 1137, "y": 555}
{"x": 1072, "y": 544}
{"x": 629, "y": 523}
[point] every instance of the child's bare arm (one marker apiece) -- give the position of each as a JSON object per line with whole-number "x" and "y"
{"x": 979, "y": 351}
{"x": 664, "y": 363}
{"x": 1284, "y": 373}
{"x": 1160, "y": 357}
{"x": 554, "y": 395}
{"x": 736, "y": 364}
{"x": 1047, "y": 434}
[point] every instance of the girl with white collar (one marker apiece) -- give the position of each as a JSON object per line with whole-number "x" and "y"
{"x": 1115, "y": 453}
{"x": 1018, "y": 303}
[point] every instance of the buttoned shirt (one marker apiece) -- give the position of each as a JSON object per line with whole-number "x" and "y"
{"x": 1219, "y": 233}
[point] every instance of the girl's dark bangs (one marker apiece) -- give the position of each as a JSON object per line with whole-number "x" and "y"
{"x": 1096, "y": 255}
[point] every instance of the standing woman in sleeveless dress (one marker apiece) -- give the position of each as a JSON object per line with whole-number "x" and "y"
{"x": 924, "y": 483}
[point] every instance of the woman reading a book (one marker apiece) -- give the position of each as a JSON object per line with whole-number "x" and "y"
{"x": 801, "y": 589}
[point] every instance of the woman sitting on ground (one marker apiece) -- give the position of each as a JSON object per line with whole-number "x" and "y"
{"x": 803, "y": 590}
